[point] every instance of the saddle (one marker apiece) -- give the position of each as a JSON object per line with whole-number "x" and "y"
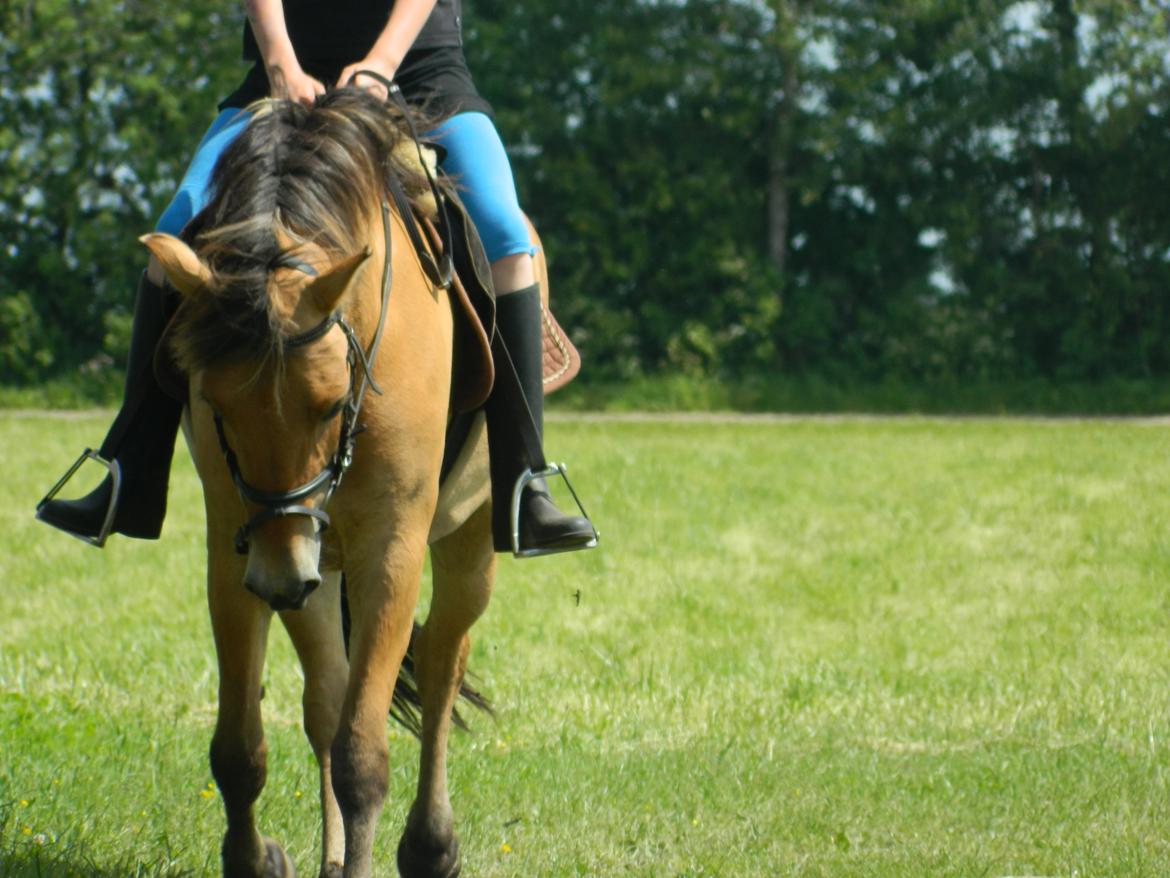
{"x": 464, "y": 480}
{"x": 474, "y": 304}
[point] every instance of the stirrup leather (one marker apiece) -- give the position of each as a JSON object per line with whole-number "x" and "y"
{"x": 553, "y": 469}
{"x": 115, "y": 471}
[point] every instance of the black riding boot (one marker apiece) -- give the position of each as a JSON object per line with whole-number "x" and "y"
{"x": 542, "y": 524}
{"x": 139, "y": 444}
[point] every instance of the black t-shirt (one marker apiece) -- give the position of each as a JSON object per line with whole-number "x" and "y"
{"x": 325, "y": 31}
{"x": 327, "y": 36}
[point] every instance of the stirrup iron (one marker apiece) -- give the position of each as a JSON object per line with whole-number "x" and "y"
{"x": 115, "y": 471}
{"x": 553, "y": 469}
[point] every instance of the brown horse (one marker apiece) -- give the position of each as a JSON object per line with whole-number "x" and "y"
{"x": 307, "y": 319}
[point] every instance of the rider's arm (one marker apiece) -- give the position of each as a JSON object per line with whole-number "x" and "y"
{"x": 402, "y": 27}
{"x": 286, "y": 79}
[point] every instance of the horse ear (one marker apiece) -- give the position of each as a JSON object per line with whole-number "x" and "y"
{"x": 184, "y": 269}
{"x": 327, "y": 289}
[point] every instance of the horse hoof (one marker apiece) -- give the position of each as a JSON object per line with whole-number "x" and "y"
{"x": 424, "y": 861}
{"x": 333, "y": 870}
{"x": 276, "y": 861}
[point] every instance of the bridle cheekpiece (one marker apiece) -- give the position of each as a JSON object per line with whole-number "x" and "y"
{"x": 280, "y": 504}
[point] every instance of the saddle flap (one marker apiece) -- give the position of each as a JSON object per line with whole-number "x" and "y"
{"x": 561, "y": 360}
{"x": 473, "y": 371}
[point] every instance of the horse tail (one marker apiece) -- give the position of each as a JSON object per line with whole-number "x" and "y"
{"x": 405, "y": 705}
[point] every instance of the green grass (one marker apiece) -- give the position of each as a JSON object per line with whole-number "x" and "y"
{"x": 811, "y": 394}
{"x": 806, "y": 648}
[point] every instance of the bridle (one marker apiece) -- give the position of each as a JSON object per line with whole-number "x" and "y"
{"x": 280, "y": 504}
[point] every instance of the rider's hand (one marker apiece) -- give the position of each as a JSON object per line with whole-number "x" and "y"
{"x": 373, "y": 86}
{"x": 293, "y": 83}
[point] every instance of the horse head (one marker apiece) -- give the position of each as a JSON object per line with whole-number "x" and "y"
{"x": 281, "y": 411}
{"x": 274, "y": 322}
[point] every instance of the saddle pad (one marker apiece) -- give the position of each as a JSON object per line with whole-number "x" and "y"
{"x": 562, "y": 362}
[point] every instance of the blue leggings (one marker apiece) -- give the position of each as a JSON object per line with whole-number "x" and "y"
{"x": 193, "y": 194}
{"x": 475, "y": 158}
{"x": 478, "y": 164}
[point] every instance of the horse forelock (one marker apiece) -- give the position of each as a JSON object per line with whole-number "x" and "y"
{"x": 296, "y": 180}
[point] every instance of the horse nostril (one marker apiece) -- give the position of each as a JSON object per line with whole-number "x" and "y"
{"x": 295, "y": 597}
{"x": 290, "y": 595}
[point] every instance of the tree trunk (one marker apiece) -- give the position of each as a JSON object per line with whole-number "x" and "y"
{"x": 780, "y": 134}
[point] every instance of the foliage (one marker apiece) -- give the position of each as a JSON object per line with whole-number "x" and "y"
{"x": 861, "y": 190}
{"x": 973, "y": 187}
{"x": 101, "y": 103}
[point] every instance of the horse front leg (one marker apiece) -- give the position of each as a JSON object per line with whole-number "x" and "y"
{"x": 382, "y": 596}
{"x": 316, "y": 634}
{"x": 463, "y": 567}
{"x": 239, "y": 623}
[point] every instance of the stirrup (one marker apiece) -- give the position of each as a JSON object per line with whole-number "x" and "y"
{"x": 115, "y": 471}
{"x": 553, "y": 469}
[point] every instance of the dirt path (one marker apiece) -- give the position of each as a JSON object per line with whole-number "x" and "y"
{"x": 779, "y": 418}
{"x": 714, "y": 417}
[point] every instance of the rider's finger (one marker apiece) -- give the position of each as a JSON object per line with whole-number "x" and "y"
{"x": 367, "y": 83}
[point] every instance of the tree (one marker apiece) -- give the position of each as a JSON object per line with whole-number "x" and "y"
{"x": 933, "y": 190}
{"x": 101, "y": 108}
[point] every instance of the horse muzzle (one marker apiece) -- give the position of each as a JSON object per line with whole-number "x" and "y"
{"x": 292, "y": 595}
{"x": 284, "y": 563}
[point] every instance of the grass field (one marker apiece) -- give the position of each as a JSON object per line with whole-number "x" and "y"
{"x": 806, "y": 648}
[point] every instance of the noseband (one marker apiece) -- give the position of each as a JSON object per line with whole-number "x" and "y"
{"x": 279, "y": 504}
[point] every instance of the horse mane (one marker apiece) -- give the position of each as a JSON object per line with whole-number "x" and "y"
{"x": 294, "y": 174}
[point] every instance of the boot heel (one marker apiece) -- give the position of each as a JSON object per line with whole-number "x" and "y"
{"x": 106, "y": 526}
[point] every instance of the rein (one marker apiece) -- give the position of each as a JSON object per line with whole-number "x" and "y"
{"x": 439, "y": 273}
{"x": 280, "y": 504}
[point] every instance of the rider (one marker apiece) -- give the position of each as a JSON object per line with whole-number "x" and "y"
{"x": 298, "y": 48}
